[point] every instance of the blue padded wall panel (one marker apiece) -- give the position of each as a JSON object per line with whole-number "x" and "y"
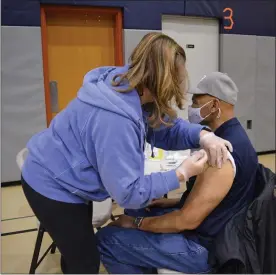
{"x": 250, "y": 17}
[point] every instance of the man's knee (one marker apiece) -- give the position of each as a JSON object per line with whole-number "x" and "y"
{"x": 106, "y": 236}
{"x": 108, "y": 241}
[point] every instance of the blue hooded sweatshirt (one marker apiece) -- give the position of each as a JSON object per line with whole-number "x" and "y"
{"x": 93, "y": 149}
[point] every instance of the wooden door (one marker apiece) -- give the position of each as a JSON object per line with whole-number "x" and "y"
{"x": 77, "y": 42}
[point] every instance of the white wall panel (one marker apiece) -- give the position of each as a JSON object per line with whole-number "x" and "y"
{"x": 203, "y": 34}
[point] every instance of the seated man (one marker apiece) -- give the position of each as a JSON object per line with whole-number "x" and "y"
{"x": 177, "y": 235}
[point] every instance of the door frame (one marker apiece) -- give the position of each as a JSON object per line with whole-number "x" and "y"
{"x": 70, "y": 10}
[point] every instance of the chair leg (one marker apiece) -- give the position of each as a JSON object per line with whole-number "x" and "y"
{"x": 90, "y": 211}
{"x": 112, "y": 217}
{"x": 38, "y": 243}
{"x": 63, "y": 265}
{"x": 53, "y": 249}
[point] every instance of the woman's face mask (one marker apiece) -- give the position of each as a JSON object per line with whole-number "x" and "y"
{"x": 194, "y": 115}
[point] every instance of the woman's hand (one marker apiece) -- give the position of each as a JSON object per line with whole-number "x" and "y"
{"x": 124, "y": 221}
{"x": 215, "y": 147}
{"x": 192, "y": 166}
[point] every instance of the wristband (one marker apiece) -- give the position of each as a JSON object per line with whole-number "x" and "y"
{"x": 138, "y": 221}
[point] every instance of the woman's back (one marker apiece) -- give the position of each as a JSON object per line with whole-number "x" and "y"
{"x": 62, "y": 160}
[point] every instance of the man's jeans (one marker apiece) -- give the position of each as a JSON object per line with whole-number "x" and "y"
{"x": 131, "y": 251}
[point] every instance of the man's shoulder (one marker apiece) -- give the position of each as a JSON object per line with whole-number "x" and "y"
{"x": 243, "y": 149}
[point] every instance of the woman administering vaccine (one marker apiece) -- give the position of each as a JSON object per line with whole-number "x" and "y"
{"x": 93, "y": 149}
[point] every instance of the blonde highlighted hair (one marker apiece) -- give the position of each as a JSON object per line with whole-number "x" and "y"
{"x": 154, "y": 64}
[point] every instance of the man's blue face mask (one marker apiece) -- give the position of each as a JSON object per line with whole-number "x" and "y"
{"x": 194, "y": 114}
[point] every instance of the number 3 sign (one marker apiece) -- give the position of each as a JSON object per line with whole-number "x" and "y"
{"x": 229, "y": 17}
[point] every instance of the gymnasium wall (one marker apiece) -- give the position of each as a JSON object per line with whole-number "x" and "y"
{"x": 247, "y": 54}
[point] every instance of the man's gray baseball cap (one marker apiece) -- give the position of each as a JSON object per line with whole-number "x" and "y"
{"x": 218, "y": 85}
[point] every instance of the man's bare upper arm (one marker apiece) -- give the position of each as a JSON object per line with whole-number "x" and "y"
{"x": 209, "y": 190}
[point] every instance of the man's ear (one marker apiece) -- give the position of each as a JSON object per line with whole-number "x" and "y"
{"x": 215, "y": 105}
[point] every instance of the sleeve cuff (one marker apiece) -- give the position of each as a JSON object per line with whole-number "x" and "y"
{"x": 231, "y": 159}
{"x": 195, "y": 134}
{"x": 171, "y": 180}
{"x": 163, "y": 182}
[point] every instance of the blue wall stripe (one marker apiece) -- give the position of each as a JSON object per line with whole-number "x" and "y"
{"x": 148, "y": 14}
{"x": 20, "y": 13}
{"x": 251, "y": 17}
{"x": 141, "y": 14}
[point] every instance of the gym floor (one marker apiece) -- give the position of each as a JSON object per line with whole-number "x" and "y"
{"x": 17, "y": 247}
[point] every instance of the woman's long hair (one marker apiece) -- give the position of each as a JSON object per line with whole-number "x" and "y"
{"x": 154, "y": 64}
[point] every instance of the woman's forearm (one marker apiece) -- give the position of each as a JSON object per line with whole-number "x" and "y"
{"x": 181, "y": 136}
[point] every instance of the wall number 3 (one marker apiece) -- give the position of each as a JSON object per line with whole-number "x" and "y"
{"x": 229, "y": 17}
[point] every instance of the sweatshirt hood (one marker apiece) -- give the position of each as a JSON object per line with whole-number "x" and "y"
{"x": 97, "y": 90}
